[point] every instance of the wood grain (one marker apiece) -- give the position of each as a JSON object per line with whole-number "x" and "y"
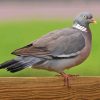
{"x": 49, "y": 88}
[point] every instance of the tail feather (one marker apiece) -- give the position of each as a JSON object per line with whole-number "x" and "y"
{"x": 20, "y": 63}
{"x": 16, "y": 66}
{"x": 16, "y": 69}
{"x": 7, "y": 63}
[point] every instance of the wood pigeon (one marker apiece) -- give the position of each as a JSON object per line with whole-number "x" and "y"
{"x": 56, "y": 51}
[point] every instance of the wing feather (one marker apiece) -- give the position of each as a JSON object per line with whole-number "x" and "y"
{"x": 60, "y": 43}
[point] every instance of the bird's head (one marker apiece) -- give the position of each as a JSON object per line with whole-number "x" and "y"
{"x": 84, "y": 19}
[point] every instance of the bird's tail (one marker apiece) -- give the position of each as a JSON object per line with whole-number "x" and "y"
{"x": 19, "y": 63}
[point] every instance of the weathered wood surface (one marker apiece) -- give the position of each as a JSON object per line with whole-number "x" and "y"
{"x": 49, "y": 88}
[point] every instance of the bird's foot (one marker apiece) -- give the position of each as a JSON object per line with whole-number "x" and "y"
{"x": 71, "y": 75}
{"x": 60, "y": 75}
{"x": 67, "y": 78}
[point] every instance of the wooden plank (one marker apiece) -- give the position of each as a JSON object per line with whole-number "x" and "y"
{"x": 49, "y": 88}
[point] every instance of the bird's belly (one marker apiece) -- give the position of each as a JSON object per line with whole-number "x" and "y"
{"x": 59, "y": 65}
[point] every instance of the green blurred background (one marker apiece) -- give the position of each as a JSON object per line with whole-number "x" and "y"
{"x": 22, "y": 22}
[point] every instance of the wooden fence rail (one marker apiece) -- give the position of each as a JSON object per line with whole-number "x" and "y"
{"x": 49, "y": 88}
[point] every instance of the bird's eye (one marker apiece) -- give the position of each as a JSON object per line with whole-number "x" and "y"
{"x": 84, "y": 16}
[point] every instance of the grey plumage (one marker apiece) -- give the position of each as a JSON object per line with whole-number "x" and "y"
{"x": 58, "y": 50}
{"x": 20, "y": 63}
{"x": 71, "y": 40}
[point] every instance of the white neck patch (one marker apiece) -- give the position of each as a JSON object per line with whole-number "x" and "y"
{"x": 78, "y": 26}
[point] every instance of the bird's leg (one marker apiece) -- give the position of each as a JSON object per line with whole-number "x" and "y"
{"x": 67, "y": 78}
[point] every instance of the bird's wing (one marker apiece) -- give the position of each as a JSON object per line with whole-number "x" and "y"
{"x": 59, "y": 44}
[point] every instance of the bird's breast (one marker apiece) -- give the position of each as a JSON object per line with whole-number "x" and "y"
{"x": 85, "y": 52}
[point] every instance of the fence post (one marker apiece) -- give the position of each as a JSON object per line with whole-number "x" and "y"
{"x": 49, "y": 88}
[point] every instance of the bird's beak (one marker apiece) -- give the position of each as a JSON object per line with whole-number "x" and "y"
{"x": 93, "y": 21}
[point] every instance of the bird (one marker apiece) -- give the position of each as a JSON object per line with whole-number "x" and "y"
{"x": 57, "y": 50}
